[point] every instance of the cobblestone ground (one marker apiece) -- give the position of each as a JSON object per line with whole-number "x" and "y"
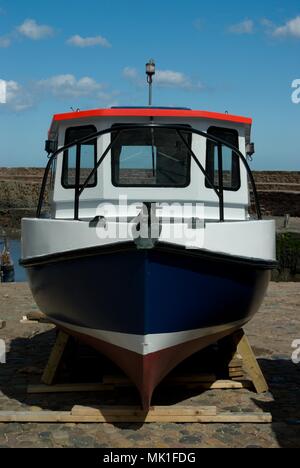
{"x": 271, "y": 334}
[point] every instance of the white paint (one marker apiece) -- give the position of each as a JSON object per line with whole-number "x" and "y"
{"x": 147, "y": 344}
{"x": 249, "y": 239}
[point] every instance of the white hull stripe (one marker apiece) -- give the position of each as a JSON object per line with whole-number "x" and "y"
{"x": 147, "y": 344}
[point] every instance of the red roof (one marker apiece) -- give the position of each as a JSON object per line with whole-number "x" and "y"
{"x": 151, "y": 112}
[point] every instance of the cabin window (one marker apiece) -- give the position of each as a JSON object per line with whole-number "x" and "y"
{"x": 88, "y": 157}
{"x": 231, "y": 163}
{"x": 151, "y": 158}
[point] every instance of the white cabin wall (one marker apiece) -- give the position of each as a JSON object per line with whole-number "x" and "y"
{"x": 63, "y": 198}
{"x": 236, "y": 203}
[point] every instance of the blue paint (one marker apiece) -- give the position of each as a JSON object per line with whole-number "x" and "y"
{"x": 144, "y": 292}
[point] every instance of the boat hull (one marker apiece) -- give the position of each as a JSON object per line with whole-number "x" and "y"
{"x": 148, "y": 310}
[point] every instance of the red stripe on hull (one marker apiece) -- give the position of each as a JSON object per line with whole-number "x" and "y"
{"x": 147, "y": 371}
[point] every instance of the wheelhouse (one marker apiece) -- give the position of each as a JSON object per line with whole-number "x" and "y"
{"x": 152, "y": 155}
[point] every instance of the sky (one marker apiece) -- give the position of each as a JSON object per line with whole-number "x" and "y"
{"x": 240, "y": 57}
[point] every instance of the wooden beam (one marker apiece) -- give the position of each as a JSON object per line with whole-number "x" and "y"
{"x": 100, "y": 387}
{"x": 137, "y": 411}
{"x": 113, "y": 415}
{"x": 70, "y": 388}
{"x": 55, "y": 358}
{"x": 250, "y": 363}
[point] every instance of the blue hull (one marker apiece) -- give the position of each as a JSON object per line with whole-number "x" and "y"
{"x": 148, "y": 291}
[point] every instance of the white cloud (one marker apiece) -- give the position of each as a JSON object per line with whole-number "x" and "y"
{"x": 79, "y": 41}
{"x": 245, "y": 27}
{"x": 32, "y": 30}
{"x": 164, "y": 78}
{"x": 5, "y": 42}
{"x": 289, "y": 29}
{"x": 130, "y": 73}
{"x": 174, "y": 79}
{"x": 68, "y": 86}
{"x": 17, "y": 98}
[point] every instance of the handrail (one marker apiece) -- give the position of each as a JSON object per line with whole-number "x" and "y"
{"x": 116, "y": 131}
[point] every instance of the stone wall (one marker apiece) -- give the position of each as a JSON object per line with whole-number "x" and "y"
{"x": 279, "y": 192}
{"x": 280, "y": 203}
{"x": 19, "y": 192}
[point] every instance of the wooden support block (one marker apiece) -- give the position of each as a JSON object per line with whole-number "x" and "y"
{"x": 70, "y": 388}
{"x": 221, "y": 385}
{"x": 2, "y": 324}
{"x": 35, "y": 317}
{"x": 24, "y": 321}
{"x": 235, "y": 366}
{"x": 236, "y": 360}
{"x": 55, "y": 358}
{"x": 250, "y": 363}
{"x": 236, "y": 374}
{"x": 114, "y": 415}
{"x": 235, "y": 369}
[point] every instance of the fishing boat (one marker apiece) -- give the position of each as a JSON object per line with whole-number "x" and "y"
{"x": 148, "y": 247}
